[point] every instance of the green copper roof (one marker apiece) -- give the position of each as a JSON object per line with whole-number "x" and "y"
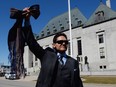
{"x": 101, "y": 14}
{"x": 61, "y": 23}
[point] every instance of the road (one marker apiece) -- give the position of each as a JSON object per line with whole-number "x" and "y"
{"x": 16, "y": 83}
{"x": 26, "y": 83}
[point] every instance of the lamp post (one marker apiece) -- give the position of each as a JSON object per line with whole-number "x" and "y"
{"x": 70, "y": 30}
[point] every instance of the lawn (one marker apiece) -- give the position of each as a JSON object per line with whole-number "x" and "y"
{"x": 99, "y": 79}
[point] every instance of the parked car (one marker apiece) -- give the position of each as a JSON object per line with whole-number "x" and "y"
{"x": 10, "y": 75}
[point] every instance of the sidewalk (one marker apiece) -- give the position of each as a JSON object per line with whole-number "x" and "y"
{"x": 33, "y": 78}
{"x": 29, "y": 78}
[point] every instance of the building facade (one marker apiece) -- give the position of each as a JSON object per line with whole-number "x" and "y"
{"x": 93, "y": 40}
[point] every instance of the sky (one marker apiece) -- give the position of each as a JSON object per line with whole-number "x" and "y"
{"x": 48, "y": 8}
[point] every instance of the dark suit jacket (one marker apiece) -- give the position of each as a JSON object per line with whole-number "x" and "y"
{"x": 48, "y": 60}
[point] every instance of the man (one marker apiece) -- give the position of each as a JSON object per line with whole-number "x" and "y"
{"x": 55, "y": 71}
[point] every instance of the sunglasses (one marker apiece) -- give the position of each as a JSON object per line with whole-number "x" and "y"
{"x": 62, "y": 41}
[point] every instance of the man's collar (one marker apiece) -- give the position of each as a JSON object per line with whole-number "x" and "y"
{"x": 61, "y": 54}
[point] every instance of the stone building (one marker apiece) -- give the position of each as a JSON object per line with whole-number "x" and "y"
{"x": 93, "y": 40}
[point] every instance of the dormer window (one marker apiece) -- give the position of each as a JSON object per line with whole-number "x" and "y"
{"x": 54, "y": 27}
{"x": 79, "y": 22}
{"x": 55, "y": 30}
{"x": 76, "y": 18}
{"x": 65, "y": 18}
{"x": 48, "y": 31}
{"x": 42, "y": 33}
{"x": 73, "y": 15}
{"x": 60, "y": 24}
{"x": 99, "y": 15}
{"x": 62, "y": 28}
{"x": 37, "y": 37}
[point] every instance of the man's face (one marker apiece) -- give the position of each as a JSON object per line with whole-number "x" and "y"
{"x": 61, "y": 44}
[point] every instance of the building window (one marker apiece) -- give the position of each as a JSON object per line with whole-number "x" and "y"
{"x": 54, "y": 27}
{"x": 55, "y": 30}
{"x": 60, "y": 24}
{"x": 73, "y": 15}
{"x": 78, "y": 58}
{"x": 71, "y": 25}
{"x": 32, "y": 64}
{"x": 37, "y": 37}
{"x": 79, "y": 22}
{"x": 76, "y": 18}
{"x": 42, "y": 33}
{"x": 35, "y": 58}
{"x": 102, "y": 52}
{"x": 101, "y": 38}
{"x": 99, "y": 16}
{"x": 102, "y": 67}
{"x": 79, "y": 47}
{"x": 62, "y": 28}
{"x": 48, "y": 31}
{"x": 65, "y": 18}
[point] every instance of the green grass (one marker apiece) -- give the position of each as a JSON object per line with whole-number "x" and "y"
{"x": 99, "y": 79}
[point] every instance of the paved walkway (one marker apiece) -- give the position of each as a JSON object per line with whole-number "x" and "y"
{"x": 29, "y": 78}
{"x": 33, "y": 78}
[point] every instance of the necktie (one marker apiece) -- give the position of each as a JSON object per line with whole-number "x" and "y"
{"x": 60, "y": 58}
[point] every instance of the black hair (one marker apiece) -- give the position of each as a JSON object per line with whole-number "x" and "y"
{"x": 57, "y": 35}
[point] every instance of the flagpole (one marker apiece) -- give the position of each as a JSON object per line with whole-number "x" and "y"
{"x": 69, "y": 14}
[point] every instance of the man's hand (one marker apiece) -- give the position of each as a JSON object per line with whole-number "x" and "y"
{"x": 27, "y": 13}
